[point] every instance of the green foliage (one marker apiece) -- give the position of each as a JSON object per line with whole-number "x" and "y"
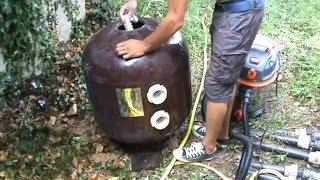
{"x": 25, "y": 35}
{"x": 103, "y": 12}
{"x": 296, "y": 25}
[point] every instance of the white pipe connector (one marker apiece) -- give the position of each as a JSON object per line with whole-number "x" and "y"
{"x": 127, "y": 21}
{"x": 157, "y": 94}
{"x": 128, "y": 25}
{"x": 160, "y": 120}
{"x": 314, "y": 158}
{"x": 291, "y": 171}
{"x": 304, "y": 141}
{"x": 176, "y": 38}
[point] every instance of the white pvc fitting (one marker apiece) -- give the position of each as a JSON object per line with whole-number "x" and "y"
{"x": 304, "y": 141}
{"x": 291, "y": 171}
{"x": 157, "y": 94}
{"x": 160, "y": 120}
{"x": 176, "y": 38}
{"x": 300, "y": 132}
{"x": 127, "y": 21}
{"x": 314, "y": 158}
{"x": 128, "y": 25}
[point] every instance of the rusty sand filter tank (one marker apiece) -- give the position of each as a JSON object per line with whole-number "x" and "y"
{"x": 141, "y": 101}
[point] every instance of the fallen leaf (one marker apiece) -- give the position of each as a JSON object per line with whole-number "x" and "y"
{"x": 75, "y": 162}
{"x": 93, "y": 177}
{"x": 67, "y": 55}
{"x": 60, "y": 78}
{"x": 80, "y": 167}
{"x": 3, "y": 156}
{"x": 52, "y": 120}
{"x": 70, "y": 121}
{"x": 1, "y": 135}
{"x": 61, "y": 115}
{"x": 99, "y": 148}
{"x": 2, "y": 174}
{"x": 30, "y": 157}
{"x": 57, "y": 155}
{"x": 113, "y": 178}
{"x": 54, "y": 139}
{"x": 103, "y": 157}
{"x": 119, "y": 164}
{"x": 101, "y": 176}
{"x": 78, "y": 147}
{"x": 73, "y": 110}
{"x": 74, "y": 175}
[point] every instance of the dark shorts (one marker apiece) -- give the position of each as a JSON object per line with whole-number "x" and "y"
{"x": 232, "y": 36}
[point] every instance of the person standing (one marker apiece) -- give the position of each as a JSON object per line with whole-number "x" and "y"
{"x": 234, "y": 26}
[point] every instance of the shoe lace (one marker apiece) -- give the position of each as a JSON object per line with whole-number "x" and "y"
{"x": 202, "y": 129}
{"x": 196, "y": 149}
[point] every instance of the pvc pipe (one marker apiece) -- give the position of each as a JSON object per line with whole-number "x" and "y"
{"x": 314, "y": 135}
{"x": 263, "y": 176}
{"x": 268, "y": 177}
{"x": 302, "y": 172}
{"x": 258, "y": 166}
{"x": 286, "y": 139}
{"x": 294, "y": 153}
{"x": 312, "y": 157}
{"x": 302, "y": 141}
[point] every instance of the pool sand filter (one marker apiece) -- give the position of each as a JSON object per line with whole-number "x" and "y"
{"x": 140, "y": 103}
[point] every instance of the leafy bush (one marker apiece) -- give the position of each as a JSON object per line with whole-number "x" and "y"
{"x": 27, "y": 37}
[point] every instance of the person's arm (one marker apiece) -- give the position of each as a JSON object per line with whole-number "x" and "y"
{"x": 173, "y": 21}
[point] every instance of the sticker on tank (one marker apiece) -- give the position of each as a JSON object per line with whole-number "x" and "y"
{"x": 130, "y": 102}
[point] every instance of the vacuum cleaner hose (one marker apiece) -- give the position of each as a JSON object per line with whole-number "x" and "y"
{"x": 246, "y": 157}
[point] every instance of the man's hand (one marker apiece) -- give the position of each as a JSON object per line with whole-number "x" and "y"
{"x": 128, "y": 11}
{"x": 171, "y": 24}
{"x": 132, "y": 48}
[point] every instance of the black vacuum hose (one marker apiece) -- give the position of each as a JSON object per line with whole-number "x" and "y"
{"x": 246, "y": 156}
{"x": 246, "y": 126}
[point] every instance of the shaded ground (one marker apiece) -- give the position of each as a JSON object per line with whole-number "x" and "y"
{"x": 48, "y": 130}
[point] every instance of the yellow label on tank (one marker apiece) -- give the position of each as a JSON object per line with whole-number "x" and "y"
{"x": 130, "y": 102}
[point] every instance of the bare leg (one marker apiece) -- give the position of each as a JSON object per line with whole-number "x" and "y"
{"x": 224, "y": 132}
{"x": 216, "y": 113}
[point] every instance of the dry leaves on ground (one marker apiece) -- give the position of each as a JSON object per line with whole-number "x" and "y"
{"x": 99, "y": 148}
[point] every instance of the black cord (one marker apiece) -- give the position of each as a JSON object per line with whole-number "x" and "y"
{"x": 266, "y": 129}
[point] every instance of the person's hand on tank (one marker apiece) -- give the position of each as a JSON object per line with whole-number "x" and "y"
{"x": 128, "y": 11}
{"x": 132, "y": 48}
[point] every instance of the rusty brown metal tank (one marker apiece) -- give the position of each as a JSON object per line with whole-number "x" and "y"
{"x": 124, "y": 105}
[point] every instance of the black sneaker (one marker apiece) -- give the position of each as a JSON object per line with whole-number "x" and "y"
{"x": 196, "y": 152}
{"x": 200, "y": 132}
